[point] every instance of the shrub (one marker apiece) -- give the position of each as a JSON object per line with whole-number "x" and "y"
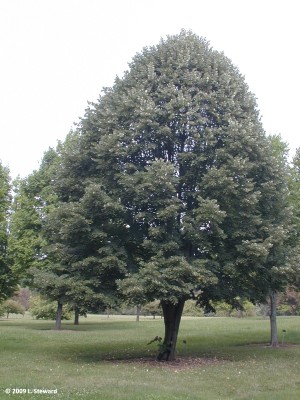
{"x": 223, "y": 309}
{"x": 153, "y": 308}
{"x": 45, "y": 309}
{"x": 192, "y": 310}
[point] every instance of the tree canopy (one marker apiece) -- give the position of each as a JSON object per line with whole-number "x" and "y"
{"x": 172, "y": 167}
{"x": 167, "y": 190}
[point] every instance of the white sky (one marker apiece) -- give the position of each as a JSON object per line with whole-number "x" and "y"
{"x": 58, "y": 54}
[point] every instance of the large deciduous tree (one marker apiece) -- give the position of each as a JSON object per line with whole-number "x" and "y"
{"x": 178, "y": 146}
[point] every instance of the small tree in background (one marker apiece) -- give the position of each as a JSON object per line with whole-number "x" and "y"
{"x": 83, "y": 259}
{"x": 44, "y": 309}
{"x": 289, "y": 302}
{"x": 34, "y": 198}
{"x": 153, "y": 308}
{"x": 8, "y": 280}
{"x": 12, "y": 307}
{"x": 22, "y": 296}
{"x": 274, "y": 275}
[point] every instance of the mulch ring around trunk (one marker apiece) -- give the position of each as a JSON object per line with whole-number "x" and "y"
{"x": 180, "y": 364}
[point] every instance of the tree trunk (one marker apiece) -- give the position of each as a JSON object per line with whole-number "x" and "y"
{"x": 172, "y": 316}
{"x": 76, "y": 316}
{"x": 138, "y": 312}
{"x": 58, "y": 315}
{"x": 273, "y": 321}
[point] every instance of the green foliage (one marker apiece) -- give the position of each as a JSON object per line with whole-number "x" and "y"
{"x": 7, "y": 278}
{"x": 33, "y": 200}
{"x": 12, "y": 307}
{"x": 153, "y": 308}
{"x": 294, "y": 188}
{"x": 289, "y": 302}
{"x": 177, "y": 145}
{"x": 222, "y": 309}
{"x": 83, "y": 259}
{"x": 45, "y": 309}
{"x": 170, "y": 187}
{"x": 22, "y": 296}
{"x": 191, "y": 309}
{"x": 271, "y": 276}
{"x": 292, "y": 266}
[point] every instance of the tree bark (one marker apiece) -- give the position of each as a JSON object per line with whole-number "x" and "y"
{"x": 138, "y": 312}
{"x": 273, "y": 320}
{"x": 58, "y": 315}
{"x": 172, "y": 317}
{"x": 76, "y": 316}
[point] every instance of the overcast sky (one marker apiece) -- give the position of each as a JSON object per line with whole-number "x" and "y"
{"x": 58, "y": 54}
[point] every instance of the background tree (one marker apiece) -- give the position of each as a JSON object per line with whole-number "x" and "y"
{"x": 84, "y": 260}
{"x": 7, "y": 279}
{"x": 42, "y": 308}
{"x": 178, "y": 146}
{"x": 294, "y": 189}
{"x": 289, "y": 302}
{"x": 22, "y": 296}
{"x": 293, "y": 264}
{"x": 11, "y": 306}
{"x": 34, "y": 198}
{"x": 153, "y": 308}
{"x": 279, "y": 218}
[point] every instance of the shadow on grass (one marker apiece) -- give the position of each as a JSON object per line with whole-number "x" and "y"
{"x": 68, "y": 327}
{"x": 97, "y": 354}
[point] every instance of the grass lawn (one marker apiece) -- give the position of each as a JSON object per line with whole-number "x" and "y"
{"x": 100, "y": 359}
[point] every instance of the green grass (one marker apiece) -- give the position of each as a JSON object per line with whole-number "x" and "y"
{"x": 91, "y": 361}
